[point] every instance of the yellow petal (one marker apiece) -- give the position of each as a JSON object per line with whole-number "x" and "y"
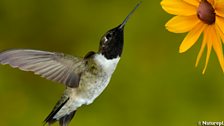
{"x": 209, "y": 48}
{"x": 220, "y": 23}
{"x": 181, "y": 24}
{"x": 220, "y": 33}
{"x": 217, "y": 45}
{"x": 178, "y": 7}
{"x": 205, "y": 40}
{"x": 192, "y": 2}
{"x": 191, "y": 37}
{"x": 219, "y": 8}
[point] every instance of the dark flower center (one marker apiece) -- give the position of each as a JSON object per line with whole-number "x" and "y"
{"x": 206, "y": 12}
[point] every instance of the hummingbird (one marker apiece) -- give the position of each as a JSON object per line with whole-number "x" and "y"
{"x": 85, "y": 78}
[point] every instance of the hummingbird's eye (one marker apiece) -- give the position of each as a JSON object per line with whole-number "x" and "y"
{"x": 109, "y": 36}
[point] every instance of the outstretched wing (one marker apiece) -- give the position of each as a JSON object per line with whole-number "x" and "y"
{"x": 53, "y": 66}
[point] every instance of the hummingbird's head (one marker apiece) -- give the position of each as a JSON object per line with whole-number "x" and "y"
{"x": 111, "y": 44}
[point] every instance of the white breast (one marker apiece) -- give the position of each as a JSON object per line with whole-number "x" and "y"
{"x": 99, "y": 82}
{"x": 108, "y": 65}
{"x": 91, "y": 89}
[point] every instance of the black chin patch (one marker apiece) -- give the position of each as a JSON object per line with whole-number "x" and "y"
{"x": 114, "y": 46}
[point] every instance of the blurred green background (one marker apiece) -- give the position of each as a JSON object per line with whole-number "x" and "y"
{"x": 153, "y": 83}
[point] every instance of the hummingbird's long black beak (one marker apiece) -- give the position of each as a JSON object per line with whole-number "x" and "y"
{"x": 121, "y": 26}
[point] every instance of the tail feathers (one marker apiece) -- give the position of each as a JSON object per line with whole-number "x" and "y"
{"x": 65, "y": 120}
{"x": 50, "y": 118}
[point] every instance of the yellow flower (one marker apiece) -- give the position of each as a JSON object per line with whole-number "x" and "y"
{"x": 198, "y": 17}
